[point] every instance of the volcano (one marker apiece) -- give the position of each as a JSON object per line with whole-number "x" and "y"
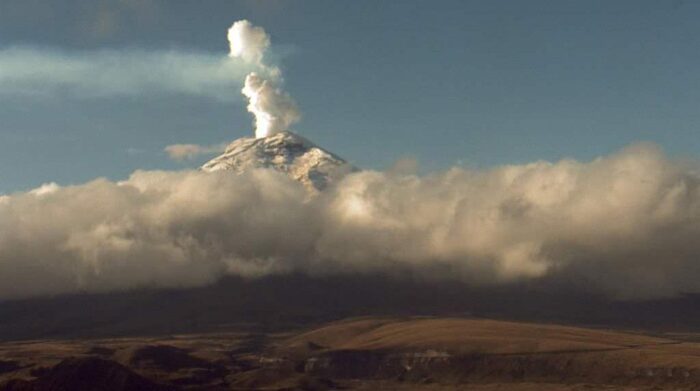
{"x": 286, "y": 152}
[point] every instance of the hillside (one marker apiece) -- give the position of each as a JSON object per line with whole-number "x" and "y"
{"x": 366, "y": 353}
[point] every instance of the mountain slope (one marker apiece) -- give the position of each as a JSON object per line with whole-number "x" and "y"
{"x": 287, "y": 152}
{"x": 367, "y": 353}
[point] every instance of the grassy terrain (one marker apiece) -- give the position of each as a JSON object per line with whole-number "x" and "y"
{"x": 369, "y": 353}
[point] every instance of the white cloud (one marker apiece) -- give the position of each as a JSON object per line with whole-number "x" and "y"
{"x": 624, "y": 224}
{"x": 46, "y": 188}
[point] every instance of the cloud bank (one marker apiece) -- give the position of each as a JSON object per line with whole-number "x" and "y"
{"x": 106, "y": 73}
{"x": 624, "y": 225}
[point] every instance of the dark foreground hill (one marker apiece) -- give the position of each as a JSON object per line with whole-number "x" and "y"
{"x": 362, "y": 354}
{"x": 87, "y": 373}
{"x": 292, "y": 301}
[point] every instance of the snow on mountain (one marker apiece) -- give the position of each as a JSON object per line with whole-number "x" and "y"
{"x": 286, "y": 152}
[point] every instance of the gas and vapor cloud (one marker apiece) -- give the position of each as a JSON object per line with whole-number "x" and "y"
{"x": 40, "y": 71}
{"x": 104, "y": 73}
{"x": 274, "y": 110}
{"x": 625, "y": 225}
{"x": 191, "y": 151}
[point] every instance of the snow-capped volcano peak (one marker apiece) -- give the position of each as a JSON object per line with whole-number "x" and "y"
{"x": 286, "y": 152}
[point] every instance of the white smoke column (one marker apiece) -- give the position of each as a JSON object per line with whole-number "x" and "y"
{"x": 274, "y": 110}
{"x": 248, "y": 42}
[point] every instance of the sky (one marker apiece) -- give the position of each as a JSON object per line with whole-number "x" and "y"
{"x": 472, "y": 83}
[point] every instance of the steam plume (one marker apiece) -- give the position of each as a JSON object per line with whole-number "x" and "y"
{"x": 248, "y": 42}
{"x": 120, "y": 72}
{"x": 273, "y": 109}
{"x": 191, "y": 151}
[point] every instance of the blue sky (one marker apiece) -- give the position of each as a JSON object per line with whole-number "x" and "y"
{"x": 478, "y": 83}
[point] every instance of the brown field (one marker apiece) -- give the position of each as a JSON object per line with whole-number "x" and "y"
{"x": 363, "y": 354}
